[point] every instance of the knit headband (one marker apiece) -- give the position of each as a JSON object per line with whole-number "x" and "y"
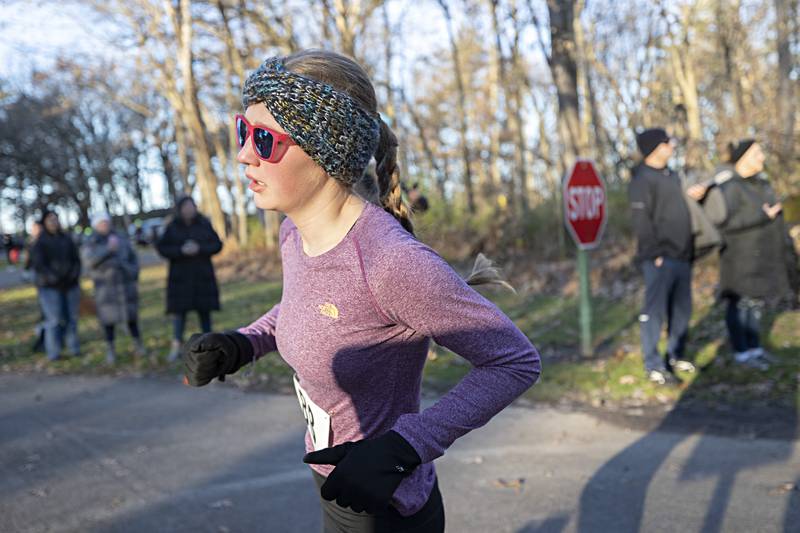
{"x": 329, "y": 125}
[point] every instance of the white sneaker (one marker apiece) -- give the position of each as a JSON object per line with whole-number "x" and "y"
{"x": 657, "y": 377}
{"x": 683, "y": 366}
{"x": 111, "y": 356}
{"x": 749, "y": 359}
{"x": 175, "y": 353}
{"x": 762, "y": 354}
{"x": 662, "y": 377}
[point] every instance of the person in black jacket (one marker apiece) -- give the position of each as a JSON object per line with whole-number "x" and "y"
{"x": 57, "y": 269}
{"x": 663, "y": 227}
{"x": 28, "y": 275}
{"x": 758, "y": 260}
{"x": 188, "y": 243}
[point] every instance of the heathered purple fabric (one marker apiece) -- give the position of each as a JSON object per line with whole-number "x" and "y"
{"x": 364, "y": 367}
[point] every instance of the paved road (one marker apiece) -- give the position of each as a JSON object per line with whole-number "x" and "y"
{"x": 84, "y": 454}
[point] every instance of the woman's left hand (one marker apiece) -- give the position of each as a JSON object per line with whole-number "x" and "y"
{"x": 367, "y": 472}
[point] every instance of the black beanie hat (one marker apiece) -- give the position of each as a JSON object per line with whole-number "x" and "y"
{"x": 736, "y": 150}
{"x": 648, "y": 140}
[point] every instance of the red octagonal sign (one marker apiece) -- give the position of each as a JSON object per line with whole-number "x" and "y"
{"x": 585, "y": 204}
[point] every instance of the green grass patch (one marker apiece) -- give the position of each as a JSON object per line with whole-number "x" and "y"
{"x": 614, "y": 375}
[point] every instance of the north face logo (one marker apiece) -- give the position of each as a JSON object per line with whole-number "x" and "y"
{"x": 329, "y": 310}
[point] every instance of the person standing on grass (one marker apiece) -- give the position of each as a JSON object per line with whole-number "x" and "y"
{"x": 57, "y": 268}
{"x": 758, "y": 262}
{"x": 29, "y": 275}
{"x": 114, "y": 269}
{"x": 663, "y": 226}
{"x": 362, "y": 298}
{"x": 188, "y": 242}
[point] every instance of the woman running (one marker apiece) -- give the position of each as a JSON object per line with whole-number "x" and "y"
{"x": 362, "y": 298}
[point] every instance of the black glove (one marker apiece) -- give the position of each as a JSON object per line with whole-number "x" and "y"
{"x": 210, "y": 355}
{"x": 367, "y": 472}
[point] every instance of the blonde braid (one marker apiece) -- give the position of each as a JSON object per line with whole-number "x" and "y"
{"x": 388, "y": 175}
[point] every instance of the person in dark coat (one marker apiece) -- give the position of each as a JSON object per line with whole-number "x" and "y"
{"x": 757, "y": 261}
{"x": 188, "y": 243}
{"x": 663, "y": 227}
{"x": 57, "y": 269}
{"x": 28, "y": 275}
{"x": 114, "y": 269}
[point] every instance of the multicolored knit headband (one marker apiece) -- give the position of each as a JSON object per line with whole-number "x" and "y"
{"x": 329, "y": 125}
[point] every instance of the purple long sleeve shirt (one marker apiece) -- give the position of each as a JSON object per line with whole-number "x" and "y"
{"x": 355, "y": 324}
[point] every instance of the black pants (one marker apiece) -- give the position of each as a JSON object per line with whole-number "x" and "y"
{"x": 133, "y": 327}
{"x": 179, "y": 324}
{"x": 336, "y": 519}
{"x": 668, "y": 297}
{"x": 743, "y": 318}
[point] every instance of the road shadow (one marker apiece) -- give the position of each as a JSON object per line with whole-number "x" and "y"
{"x": 614, "y": 497}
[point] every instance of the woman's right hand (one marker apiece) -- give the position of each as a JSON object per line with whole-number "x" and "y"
{"x": 190, "y": 247}
{"x": 210, "y": 355}
{"x": 772, "y": 210}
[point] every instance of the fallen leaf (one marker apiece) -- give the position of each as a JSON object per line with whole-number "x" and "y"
{"x": 627, "y": 379}
{"x": 784, "y": 488}
{"x": 117, "y": 502}
{"x": 516, "y": 484}
{"x": 662, "y": 398}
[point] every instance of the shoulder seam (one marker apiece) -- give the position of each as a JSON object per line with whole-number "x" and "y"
{"x": 286, "y": 236}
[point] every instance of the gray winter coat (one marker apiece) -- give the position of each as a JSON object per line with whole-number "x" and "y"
{"x": 756, "y": 261}
{"x": 115, "y": 275}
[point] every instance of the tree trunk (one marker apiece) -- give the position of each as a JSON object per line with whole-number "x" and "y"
{"x": 344, "y": 26}
{"x": 787, "y": 88}
{"x": 516, "y": 118}
{"x": 683, "y": 69}
{"x": 234, "y": 67}
{"x": 196, "y": 128}
{"x": 729, "y": 34}
{"x": 564, "y": 69}
{"x": 461, "y": 110}
{"x": 182, "y": 145}
{"x": 426, "y": 147}
{"x": 169, "y": 172}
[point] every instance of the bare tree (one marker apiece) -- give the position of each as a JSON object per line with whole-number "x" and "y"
{"x": 786, "y": 13}
{"x": 461, "y": 108}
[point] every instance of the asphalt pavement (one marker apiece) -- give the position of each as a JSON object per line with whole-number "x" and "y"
{"x": 93, "y": 454}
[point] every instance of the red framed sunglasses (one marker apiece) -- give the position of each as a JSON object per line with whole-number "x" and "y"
{"x": 268, "y": 144}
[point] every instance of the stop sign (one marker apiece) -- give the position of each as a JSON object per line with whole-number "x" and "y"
{"x": 584, "y": 204}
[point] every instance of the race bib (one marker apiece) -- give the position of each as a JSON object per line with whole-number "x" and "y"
{"x": 317, "y": 420}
